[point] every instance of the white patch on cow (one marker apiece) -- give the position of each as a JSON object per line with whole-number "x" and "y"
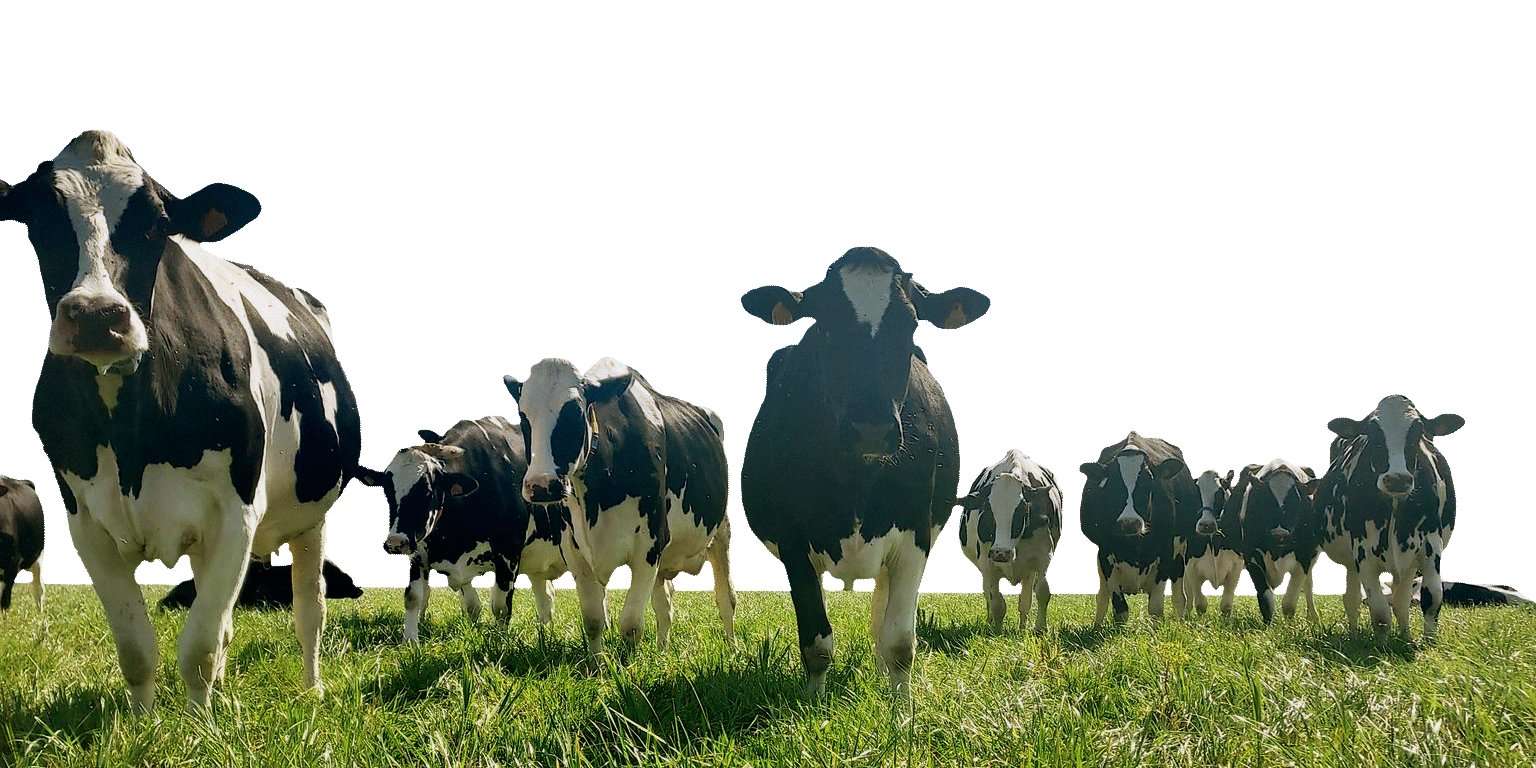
{"x": 1396, "y": 415}
{"x": 687, "y": 549}
{"x": 551, "y": 384}
{"x": 868, "y": 289}
{"x": 235, "y": 286}
{"x": 860, "y": 559}
{"x": 408, "y": 468}
{"x": 619, "y": 536}
{"x": 1280, "y": 484}
{"x": 1128, "y": 579}
{"x": 467, "y": 566}
{"x": 1130, "y": 469}
{"x": 1208, "y": 483}
{"x": 1006, "y": 493}
{"x": 107, "y": 386}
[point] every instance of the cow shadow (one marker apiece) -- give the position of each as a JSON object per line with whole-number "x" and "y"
{"x": 79, "y": 714}
{"x": 948, "y": 637}
{"x": 1356, "y": 647}
{"x": 360, "y": 630}
{"x": 1082, "y": 638}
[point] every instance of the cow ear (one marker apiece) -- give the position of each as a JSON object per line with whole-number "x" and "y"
{"x": 428, "y": 436}
{"x": 1229, "y": 478}
{"x": 1168, "y": 469}
{"x": 10, "y": 205}
{"x": 1444, "y": 424}
{"x": 440, "y": 451}
{"x": 513, "y": 385}
{"x": 4, "y": 489}
{"x": 1345, "y": 427}
{"x": 950, "y": 309}
{"x": 369, "y": 477}
{"x": 1093, "y": 470}
{"x": 610, "y": 380}
{"x": 969, "y": 501}
{"x": 1309, "y": 488}
{"x": 460, "y": 485}
{"x": 213, "y": 212}
{"x": 773, "y": 304}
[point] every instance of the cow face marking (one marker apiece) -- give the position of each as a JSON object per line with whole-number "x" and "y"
{"x": 1010, "y": 508}
{"x": 1213, "y": 496}
{"x": 556, "y": 425}
{"x": 1401, "y": 429}
{"x": 412, "y": 513}
{"x": 1130, "y": 523}
{"x": 868, "y": 289}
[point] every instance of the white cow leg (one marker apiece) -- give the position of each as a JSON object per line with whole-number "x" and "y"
{"x": 1402, "y": 601}
{"x": 661, "y": 604}
{"x": 417, "y": 594}
{"x": 897, "y": 645}
{"x": 1155, "y": 600}
{"x": 879, "y": 598}
{"x": 997, "y": 608}
{"x": 725, "y": 591}
{"x": 1292, "y": 595}
{"x": 1381, "y": 612}
{"x": 219, "y": 570}
{"x": 37, "y": 582}
{"x": 469, "y": 600}
{"x": 1196, "y": 594}
{"x": 138, "y": 654}
{"x": 1311, "y": 607}
{"x": 1431, "y": 596}
{"x": 543, "y": 600}
{"x": 1180, "y": 600}
{"x": 1352, "y": 597}
{"x": 593, "y": 596}
{"x": 1228, "y": 592}
{"x": 308, "y": 550}
{"x": 643, "y": 577}
{"x": 1026, "y": 597}
{"x": 1102, "y": 607}
{"x": 501, "y": 604}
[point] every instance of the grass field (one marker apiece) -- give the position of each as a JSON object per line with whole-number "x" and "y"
{"x": 1206, "y": 692}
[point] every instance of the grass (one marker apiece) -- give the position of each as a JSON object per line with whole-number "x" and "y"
{"x": 1204, "y": 692}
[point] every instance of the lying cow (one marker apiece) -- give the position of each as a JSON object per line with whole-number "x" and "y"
{"x": 456, "y": 507}
{"x": 21, "y": 538}
{"x": 1281, "y": 533}
{"x": 1011, "y": 523}
{"x": 1213, "y": 537}
{"x": 268, "y": 586}
{"x": 1130, "y": 508}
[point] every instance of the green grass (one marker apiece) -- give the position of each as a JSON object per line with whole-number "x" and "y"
{"x": 1205, "y": 692}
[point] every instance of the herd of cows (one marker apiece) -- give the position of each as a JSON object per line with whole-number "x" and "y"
{"x": 192, "y": 406}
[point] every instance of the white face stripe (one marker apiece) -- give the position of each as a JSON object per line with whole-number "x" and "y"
{"x": 407, "y": 469}
{"x": 551, "y": 384}
{"x": 1130, "y": 468}
{"x": 1396, "y": 415}
{"x": 1280, "y": 484}
{"x": 1004, "y": 497}
{"x": 869, "y": 291}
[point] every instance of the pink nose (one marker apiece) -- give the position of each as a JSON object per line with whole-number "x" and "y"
{"x": 1001, "y": 554}
{"x": 543, "y": 489}
{"x": 94, "y": 324}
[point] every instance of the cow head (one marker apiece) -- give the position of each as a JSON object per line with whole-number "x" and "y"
{"x": 417, "y": 485}
{"x": 865, "y": 310}
{"x": 1128, "y": 483}
{"x": 1278, "y": 504}
{"x": 1010, "y": 512}
{"x": 1214, "y": 491}
{"x": 1393, "y": 435}
{"x": 100, "y": 225}
{"x": 558, "y": 422}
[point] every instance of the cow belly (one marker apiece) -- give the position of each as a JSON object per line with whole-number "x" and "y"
{"x": 1031, "y": 557}
{"x": 1129, "y": 579}
{"x": 1278, "y": 567}
{"x": 286, "y": 516}
{"x": 462, "y": 569}
{"x": 541, "y": 559}
{"x": 620, "y": 535}
{"x": 687, "y": 544}
{"x": 1215, "y": 566}
{"x": 860, "y": 559}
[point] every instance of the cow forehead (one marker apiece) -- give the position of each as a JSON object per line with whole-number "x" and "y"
{"x": 1208, "y": 482}
{"x": 410, "y": 467}
{"x": 96, "y": 175}
{"x": 551, "y": 384}
{"x": 1130, "y": 466}
{"x": 1396, "y": 414}
{"x": 868, "y": 289}
{"x": 1006, "y": 492}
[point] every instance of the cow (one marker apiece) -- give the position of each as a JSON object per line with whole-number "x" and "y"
{"x": 188, "y": 405}
{"x": 21, "y": 538}
{"x": 1280, "y": 532}
{"x": 1388, "y": 506}
{"x": 1462, "y": 594}
{"x": 456, "y": 507}
{"x": 1213, "y": 537}
{"x": 268, "y": 586}
{"x": 1133, "y": 498}
{"x": 1009, "y": 529}
{"x": 644, "y": 479}
{"x": 853, "y": 462}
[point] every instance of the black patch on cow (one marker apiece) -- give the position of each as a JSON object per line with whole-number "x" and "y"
{"x": 268, "y": 586}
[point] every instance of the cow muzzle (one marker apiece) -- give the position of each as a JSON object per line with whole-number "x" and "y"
{"x": 397, "y": 544}
{"x": 1130, "y": 525}
{"x": 876, "y": 441}
{"x": 1280, "y": 534}
{"x": 1395, "y": 484}
{"x": 102, "y": 330}
{"x": 544, "y": 489}
{"x": 1002, "y": 554}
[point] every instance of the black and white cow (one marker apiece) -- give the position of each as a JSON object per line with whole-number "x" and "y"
{"x": 1133, "y": 498}
{"x": 1281, "y": 532}
{"x": 21, "y": 538}
{"x": 1462, "y": 594}
{"x": 853, "y": 462}
{"x": 456, "y": 507}
{"x": 1388, "y": 506}
{"x": 268, "y": 586}
{"x": 644, "y": 478}
{"x": 189, "y": 406}
{"x": 1009, "y": 529}
{"x": 1212, "y": 534}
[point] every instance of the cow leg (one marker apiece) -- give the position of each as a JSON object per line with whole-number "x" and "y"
{"x": 897, "y": 643}
{"x": 997, "y": 607}
{"x": 1352, "y": 596}
{"x": 593, "y": 597}
{"x": 1026, "y": 598}
{"x": 1122, "y": 608}
{"x": 308, "y": 550}
{"x": 1262, "y": 589}
{"x": 1292, "y": 594}
{"x": 1043, "y": 595}
{"x": 469, "y": 600}
{"x": 1194, "y": 592}
{"x": 1431, "y": 595}
{"x": 37, "y": 582}
{"x": 1102, "y": 606}
{"x": 1155, "y": 600}
{"x": 879, "y": 598}
{"x": 138, "y": 653}
{"x": 543, "y": 599}
{"x": 218, "y": 571}
{"x": 1228, "y": 591}
{"x": 5, "y": 592}
{"x": 661, "y": 604}
{"x": 1306, "y": 586}
{"x": 1180, "y": 598}
{"x": 1402, "y": 601}
{"x": 720, "y": 568}
{"x": 1381, "y": 612}
{"x": 815, "y": 632}
{"x": 418, "y": 591}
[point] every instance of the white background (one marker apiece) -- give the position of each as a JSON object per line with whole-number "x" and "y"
{"x": 1220, "y": 224}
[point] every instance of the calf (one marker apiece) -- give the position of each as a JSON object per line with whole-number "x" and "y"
{"x": 456, "y": 507}
{"x": 268, "y": 586}
{"x": 1457, "y": 593}
{"x": 644, "y": 478}
{"x": 1281, "y": 533}
{"x": 1213, "y": 536}
{"x": 1388, "y": 506}
{"x": 1131, "y": 503}
{"x": 1011, "y": 523}
{"x": 189, "y": 405}
{"x": 853, "y": 460}
{"x": 21, "y": 538}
